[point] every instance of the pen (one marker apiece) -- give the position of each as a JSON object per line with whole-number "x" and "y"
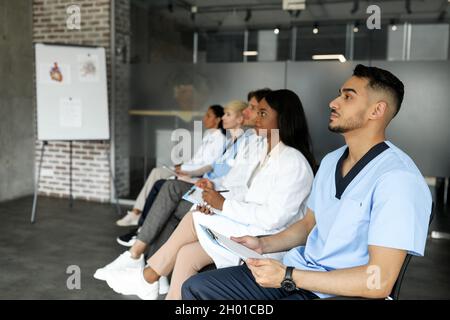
{"x": 221, "y": 191}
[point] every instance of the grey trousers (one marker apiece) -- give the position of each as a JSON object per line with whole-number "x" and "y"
{"x": 155, "y": 175}
{"x": 167, "y": 207}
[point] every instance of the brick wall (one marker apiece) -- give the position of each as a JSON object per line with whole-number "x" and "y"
{"x": 90, "y": 169}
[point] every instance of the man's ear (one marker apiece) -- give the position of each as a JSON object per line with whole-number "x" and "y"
{"x": 379, "y": 110}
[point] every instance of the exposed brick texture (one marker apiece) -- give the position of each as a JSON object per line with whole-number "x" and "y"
{"x": 90, "y": 166}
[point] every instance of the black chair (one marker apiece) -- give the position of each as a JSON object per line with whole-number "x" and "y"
{"x": 395, "y": 293}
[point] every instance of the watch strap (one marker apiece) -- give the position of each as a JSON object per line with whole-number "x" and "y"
{"x": 288, "y": 274}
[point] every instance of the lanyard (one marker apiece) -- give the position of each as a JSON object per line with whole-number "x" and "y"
{"x": 232, "y": 145}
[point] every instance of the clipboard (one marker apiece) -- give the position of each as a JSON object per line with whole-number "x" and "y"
{"x": 194, "y": 195}
{"x": 236, "y": 248}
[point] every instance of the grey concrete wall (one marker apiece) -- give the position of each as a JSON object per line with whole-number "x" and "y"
{"x": 16, "y": 106}
{"x": 122, "y": 97}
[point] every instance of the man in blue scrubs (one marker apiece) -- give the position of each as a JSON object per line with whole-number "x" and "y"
{"x": 369, "y": 207}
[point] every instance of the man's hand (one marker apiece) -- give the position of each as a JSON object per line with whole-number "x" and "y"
{"x": 268, "y": 273}
{"x": 204, "y": 183}
{"x": 213, "y": 198}
{"x": 250, "y": 242}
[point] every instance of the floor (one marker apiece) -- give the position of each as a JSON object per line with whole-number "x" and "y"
{"x": 34, "y": 259}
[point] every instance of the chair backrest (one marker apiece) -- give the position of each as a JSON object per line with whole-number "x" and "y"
{"x": 395, "y": 293}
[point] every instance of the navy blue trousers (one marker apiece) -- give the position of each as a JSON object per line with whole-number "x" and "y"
{"x": 150, "y": 199}
{"x": 235, "y": 283}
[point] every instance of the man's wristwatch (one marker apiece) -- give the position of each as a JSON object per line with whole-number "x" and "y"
{"x": 288, "y": 283}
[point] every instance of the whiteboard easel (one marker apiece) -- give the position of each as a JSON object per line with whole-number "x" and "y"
{"x": 72, "y": 100}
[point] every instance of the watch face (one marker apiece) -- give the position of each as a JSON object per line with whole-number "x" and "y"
{"x": 288, "y": 285}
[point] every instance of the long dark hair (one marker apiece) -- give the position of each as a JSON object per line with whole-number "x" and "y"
{"x": 218, "y": 112}
{"x": 292, "y": 122}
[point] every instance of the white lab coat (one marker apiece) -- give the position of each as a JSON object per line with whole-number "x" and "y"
{"x": 275, "y": 199}
{"x": 248, "y": 156}
{"x": 212, "y": 147}
{"x": 249, "y": 153}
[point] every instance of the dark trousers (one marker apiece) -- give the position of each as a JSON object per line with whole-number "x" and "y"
{"x": 150, "y": 199}
{"x": 235, "y": 283}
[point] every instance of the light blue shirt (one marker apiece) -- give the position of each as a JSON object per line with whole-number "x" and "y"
{"x": 387, "y": 204}
{"x": 223, "y": 164}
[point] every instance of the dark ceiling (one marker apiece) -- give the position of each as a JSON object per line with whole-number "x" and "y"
{"x": 269, "y": 13}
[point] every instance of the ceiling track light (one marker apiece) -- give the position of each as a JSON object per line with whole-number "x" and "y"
{"x": 408, "y": 6}
{"x": 294, "y": 13}
{"x": 393, "y": 25}
{"x": 356, "y": 26}
{"x": 355, "y": 7}
{"x": 248, "y": 15}
{"x": 194, "y": 11}
{"x": 315, "y": 28}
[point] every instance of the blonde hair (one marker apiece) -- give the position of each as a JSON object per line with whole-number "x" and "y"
{"x": 236, "y": 106}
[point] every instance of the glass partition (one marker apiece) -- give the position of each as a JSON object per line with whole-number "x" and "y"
{"x": 179, "y": 69}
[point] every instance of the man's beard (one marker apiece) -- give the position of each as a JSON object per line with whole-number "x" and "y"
{"x": 349, "y": 125}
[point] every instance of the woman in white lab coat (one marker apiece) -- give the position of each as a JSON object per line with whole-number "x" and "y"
{"x": 276, "y": 197}
{"x": 211, "y": 148}
{"x": 278, "y": 187}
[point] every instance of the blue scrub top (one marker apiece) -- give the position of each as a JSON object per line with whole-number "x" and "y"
{"x": 383, "y": 201}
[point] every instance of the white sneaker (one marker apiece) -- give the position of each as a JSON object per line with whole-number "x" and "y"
{"x": 163, "y": 285}
{"x": 131, "y": 281}
{"x": 122, "y": 262}
{"x": 130, "y": 219}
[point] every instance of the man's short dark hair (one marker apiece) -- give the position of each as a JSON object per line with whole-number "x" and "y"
{"x": 258, "y": 94}
{"x": 380, "y": 79}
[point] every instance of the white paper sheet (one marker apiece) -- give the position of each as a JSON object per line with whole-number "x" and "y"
{"x": 88, "y": 68}
{"x": 238, "y": 249}
{"x": 70, "y": 112}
